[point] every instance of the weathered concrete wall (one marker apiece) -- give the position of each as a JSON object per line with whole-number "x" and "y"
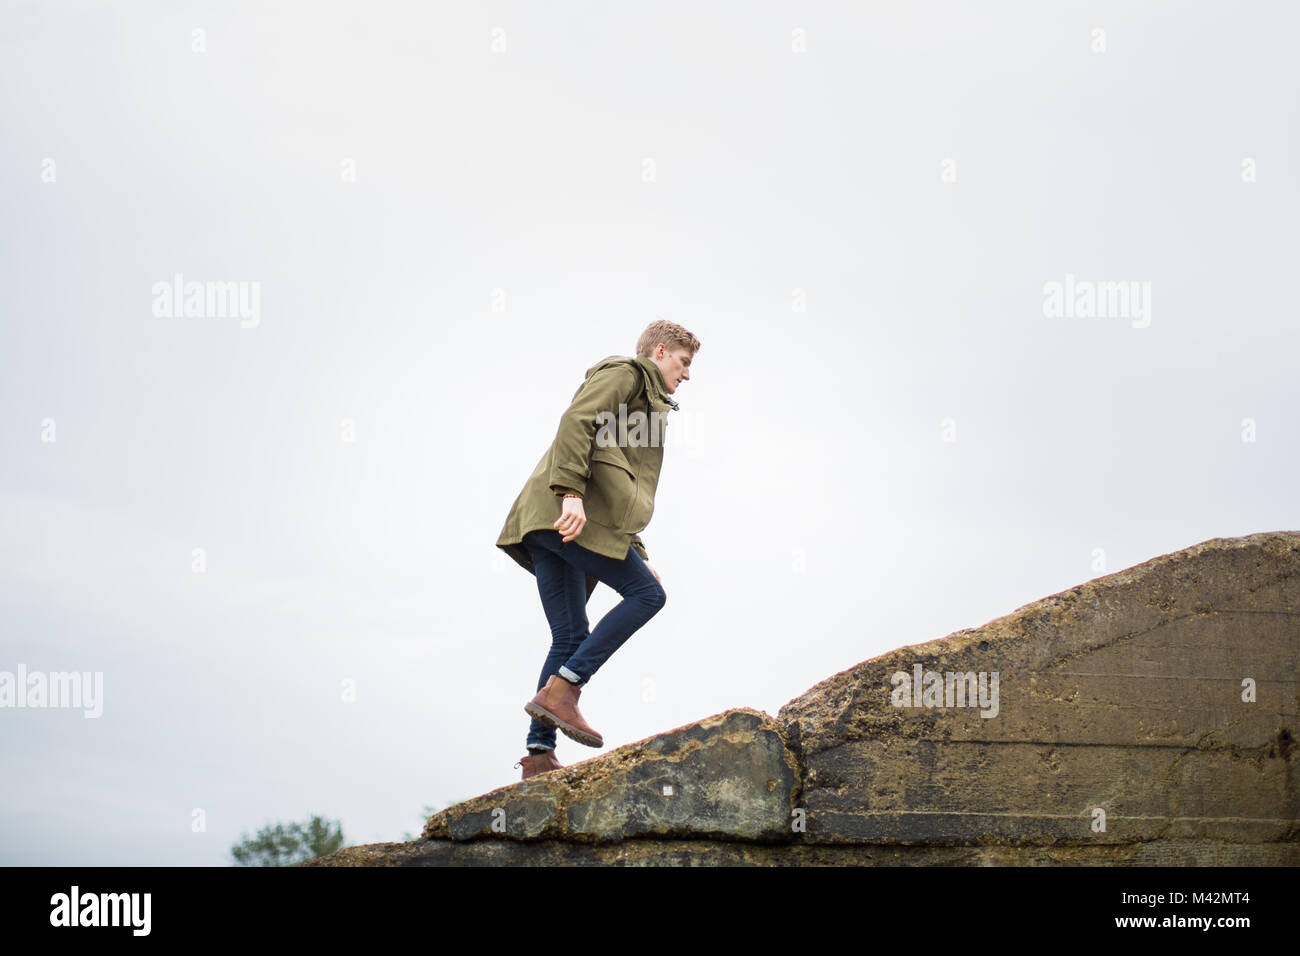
{"x": 1120, "y": 730}
{"x": 1123, "y": 695}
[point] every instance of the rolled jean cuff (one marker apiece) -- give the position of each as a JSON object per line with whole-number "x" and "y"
{"x": 569, "y": 675}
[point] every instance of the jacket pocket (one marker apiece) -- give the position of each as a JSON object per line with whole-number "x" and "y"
{"x": 614, "y": 457}
{"x": 611, "y": 490}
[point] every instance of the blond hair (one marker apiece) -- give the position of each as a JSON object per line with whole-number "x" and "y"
{"x": 670, "y": 334}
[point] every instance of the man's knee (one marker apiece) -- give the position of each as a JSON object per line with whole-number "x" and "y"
{"x": 655, "y": 596}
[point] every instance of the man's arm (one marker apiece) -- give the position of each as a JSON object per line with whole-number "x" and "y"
{"x": 603, "y": 392}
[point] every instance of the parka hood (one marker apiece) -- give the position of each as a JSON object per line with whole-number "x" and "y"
{"x": 654, "y": 379}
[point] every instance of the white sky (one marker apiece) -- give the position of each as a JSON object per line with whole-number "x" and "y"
{"x": 515, "y": 177}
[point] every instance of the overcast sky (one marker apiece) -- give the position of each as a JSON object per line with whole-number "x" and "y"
{"x": 272, "y": 531}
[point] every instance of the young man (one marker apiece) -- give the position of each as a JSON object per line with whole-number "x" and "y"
{"x": 577, "y": 522}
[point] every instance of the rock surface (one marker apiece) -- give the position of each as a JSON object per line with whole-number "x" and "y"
{"x": 1145, "y": 717}
{"x": 729, "y": 776}
{"x": 1122, "y": 697}
{"x": 675, "y": 852}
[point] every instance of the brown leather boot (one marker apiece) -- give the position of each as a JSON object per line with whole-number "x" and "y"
{"x": 557, "y": 704}
{"x": 538, "y": 762}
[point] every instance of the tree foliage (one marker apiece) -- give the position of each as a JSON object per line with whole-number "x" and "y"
{"x": 284, "y": 844}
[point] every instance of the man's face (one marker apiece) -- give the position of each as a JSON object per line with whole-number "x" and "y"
{"x": 675, "y": 366}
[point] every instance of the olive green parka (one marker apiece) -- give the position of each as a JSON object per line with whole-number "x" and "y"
{"x": 609, "y": 449}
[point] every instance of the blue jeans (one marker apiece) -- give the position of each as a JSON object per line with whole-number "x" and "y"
{"x": 576, "y": 653}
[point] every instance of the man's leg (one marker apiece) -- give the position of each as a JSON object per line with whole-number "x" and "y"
{"x": 643, "y": 597}
{"x": 563, "y": 590}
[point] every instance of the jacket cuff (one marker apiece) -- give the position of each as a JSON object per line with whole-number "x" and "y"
{"x": 559, "y": 490}
{"x": 569, "y": 481}
{"x": 639, "y": 547}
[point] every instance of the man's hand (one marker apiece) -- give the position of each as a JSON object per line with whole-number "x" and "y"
{"x": 653, "y": 571}
{"x": 571, "y": 520}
